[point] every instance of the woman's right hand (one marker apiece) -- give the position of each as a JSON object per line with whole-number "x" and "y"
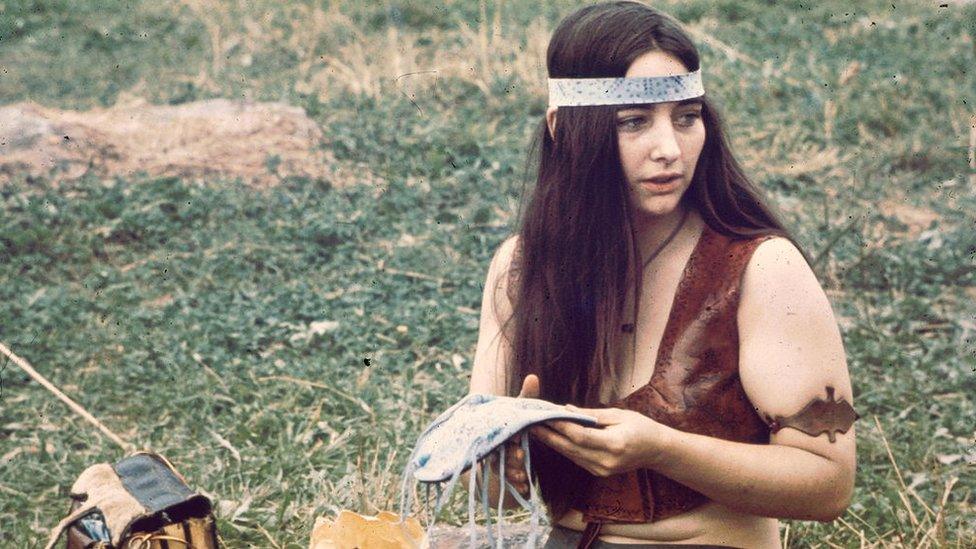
{"x": 514, "y": 454}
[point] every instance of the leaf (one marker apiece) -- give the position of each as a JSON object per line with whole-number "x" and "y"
{"x": 313, "y": 329}
{"x": 948, "y": 459}
{"x": 322, "y": 326}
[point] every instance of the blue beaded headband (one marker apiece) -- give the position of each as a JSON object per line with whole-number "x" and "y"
{"x": 578, "y": 92}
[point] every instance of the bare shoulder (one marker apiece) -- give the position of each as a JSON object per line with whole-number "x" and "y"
{"x": 780, "y": 289}
{"x": 501, "y": 266}
{"x": 777, "y": 264}
{"x": 789, "y": 338}
{"x": 492, "y": 355}
{"x": 778, "y": 279}
{"x": 505, "y": 253}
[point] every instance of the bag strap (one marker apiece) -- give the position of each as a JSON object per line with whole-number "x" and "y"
{"x": 66, "y": 522}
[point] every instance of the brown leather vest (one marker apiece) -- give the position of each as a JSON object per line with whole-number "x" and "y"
{"x": 695, "y": 386}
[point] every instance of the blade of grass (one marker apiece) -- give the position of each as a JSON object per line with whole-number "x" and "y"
{"x": 365, "y": 407}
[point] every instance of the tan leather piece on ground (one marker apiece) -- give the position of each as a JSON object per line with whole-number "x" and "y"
{"x": 261, "y": 143}
{"x": 351, "y": 530}
{"x": 99, "y": 487}
{"x": 103, "y": 488}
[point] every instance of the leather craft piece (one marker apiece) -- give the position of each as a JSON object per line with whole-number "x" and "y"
{"x": 140, "y": 501}
{"x": 383, "y": 531}
{"x": 819, "y": 416}
{"x": 695, "y": 386}
{"x": 474, "y": 427}
{"x": 466, "y": 434}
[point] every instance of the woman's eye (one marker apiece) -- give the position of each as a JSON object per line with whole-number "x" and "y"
{"x": 689, "y": 119}
{"x": 631, "y": 123}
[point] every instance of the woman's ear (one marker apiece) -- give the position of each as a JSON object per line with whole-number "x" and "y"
{"x": 551, "y": 121}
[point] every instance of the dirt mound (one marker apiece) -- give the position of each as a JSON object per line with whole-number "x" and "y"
{"x": 261, "y": 143}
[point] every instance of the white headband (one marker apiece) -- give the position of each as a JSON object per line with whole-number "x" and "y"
{"x": 578, "y": 92}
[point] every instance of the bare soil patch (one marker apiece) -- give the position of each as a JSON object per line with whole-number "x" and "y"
{"x": 259, "y": 143}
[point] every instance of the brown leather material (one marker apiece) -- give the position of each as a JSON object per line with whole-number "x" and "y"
{"x": 819, "y": 416}
{"x": 193, "y": 533}
{"x": 695, "y": 386}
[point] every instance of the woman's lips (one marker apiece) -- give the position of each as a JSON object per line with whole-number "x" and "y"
{"x": 662, "y": 177}
{"x": 661, "y": 183}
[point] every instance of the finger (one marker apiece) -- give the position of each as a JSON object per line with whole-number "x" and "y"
{"x": 560, "y": 432}
{"x": 515, "y": 475}
{"x": 530, "y": 387}
{"x": 544, "y": 435}
{"x": 578, "y": 454}
{"x": 514, "y": 458}
{"x": 577, "y": 434}
{"x": 603, "y": 416}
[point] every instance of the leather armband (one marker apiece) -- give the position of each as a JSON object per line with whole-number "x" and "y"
{"x": 819, "y": 416}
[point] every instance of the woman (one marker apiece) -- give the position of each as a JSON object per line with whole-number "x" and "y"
{"x": 649, "y": 285}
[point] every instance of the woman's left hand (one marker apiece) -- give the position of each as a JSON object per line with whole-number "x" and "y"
{"x": 624, "y": 440}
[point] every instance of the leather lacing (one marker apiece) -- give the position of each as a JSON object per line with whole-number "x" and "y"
{"x": 144, "y": 541}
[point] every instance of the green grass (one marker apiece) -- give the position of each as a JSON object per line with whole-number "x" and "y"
{"x": 177, "y": 312}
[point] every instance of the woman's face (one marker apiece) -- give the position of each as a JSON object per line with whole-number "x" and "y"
{"x": 659, "y": 143}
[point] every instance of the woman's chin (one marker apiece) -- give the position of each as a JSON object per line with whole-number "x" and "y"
{"x": 656, "y": 210}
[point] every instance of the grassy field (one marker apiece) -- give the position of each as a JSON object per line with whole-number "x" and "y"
{"x": 285, "y": 345}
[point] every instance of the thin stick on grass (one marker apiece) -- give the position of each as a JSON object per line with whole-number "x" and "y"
{"x": 901, "y": 481}
{"x": 223, "y": 442}
{"x": 365, "y": 407}
{"x": 921, "y": 501}
{"x": 175, "y": 255}
{"x": 9, "y": 490}
{"x": 268, "y": 535}
{"x": 414, "y": 274}
{"x": 940, "y": 517}
{"x": 908, "y": 506}
{"x": 877, "y": 535}
{"x": 849, "y": 526}
{"x": 77, "y": 408}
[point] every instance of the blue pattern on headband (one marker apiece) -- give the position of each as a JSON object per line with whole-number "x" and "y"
{"x": 578, "y": 92}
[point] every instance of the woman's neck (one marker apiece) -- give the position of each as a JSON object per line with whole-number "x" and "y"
{"x": 651, "y": 232}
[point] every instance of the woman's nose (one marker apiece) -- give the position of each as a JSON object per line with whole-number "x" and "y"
{"x": 664, "y": 145}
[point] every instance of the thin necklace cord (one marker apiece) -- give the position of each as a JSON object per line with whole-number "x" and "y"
{"x": 629, "y": 328}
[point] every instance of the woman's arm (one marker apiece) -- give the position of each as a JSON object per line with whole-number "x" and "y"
{"x": 491, "y": 362}
{"x": 491, "y": 357}
{"x": 790, "y": 351}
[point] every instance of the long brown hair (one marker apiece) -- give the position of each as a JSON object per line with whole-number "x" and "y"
{"x": 575, "y": 260}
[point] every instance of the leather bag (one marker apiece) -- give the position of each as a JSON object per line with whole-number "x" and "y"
{"x": 140, "y": 502}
